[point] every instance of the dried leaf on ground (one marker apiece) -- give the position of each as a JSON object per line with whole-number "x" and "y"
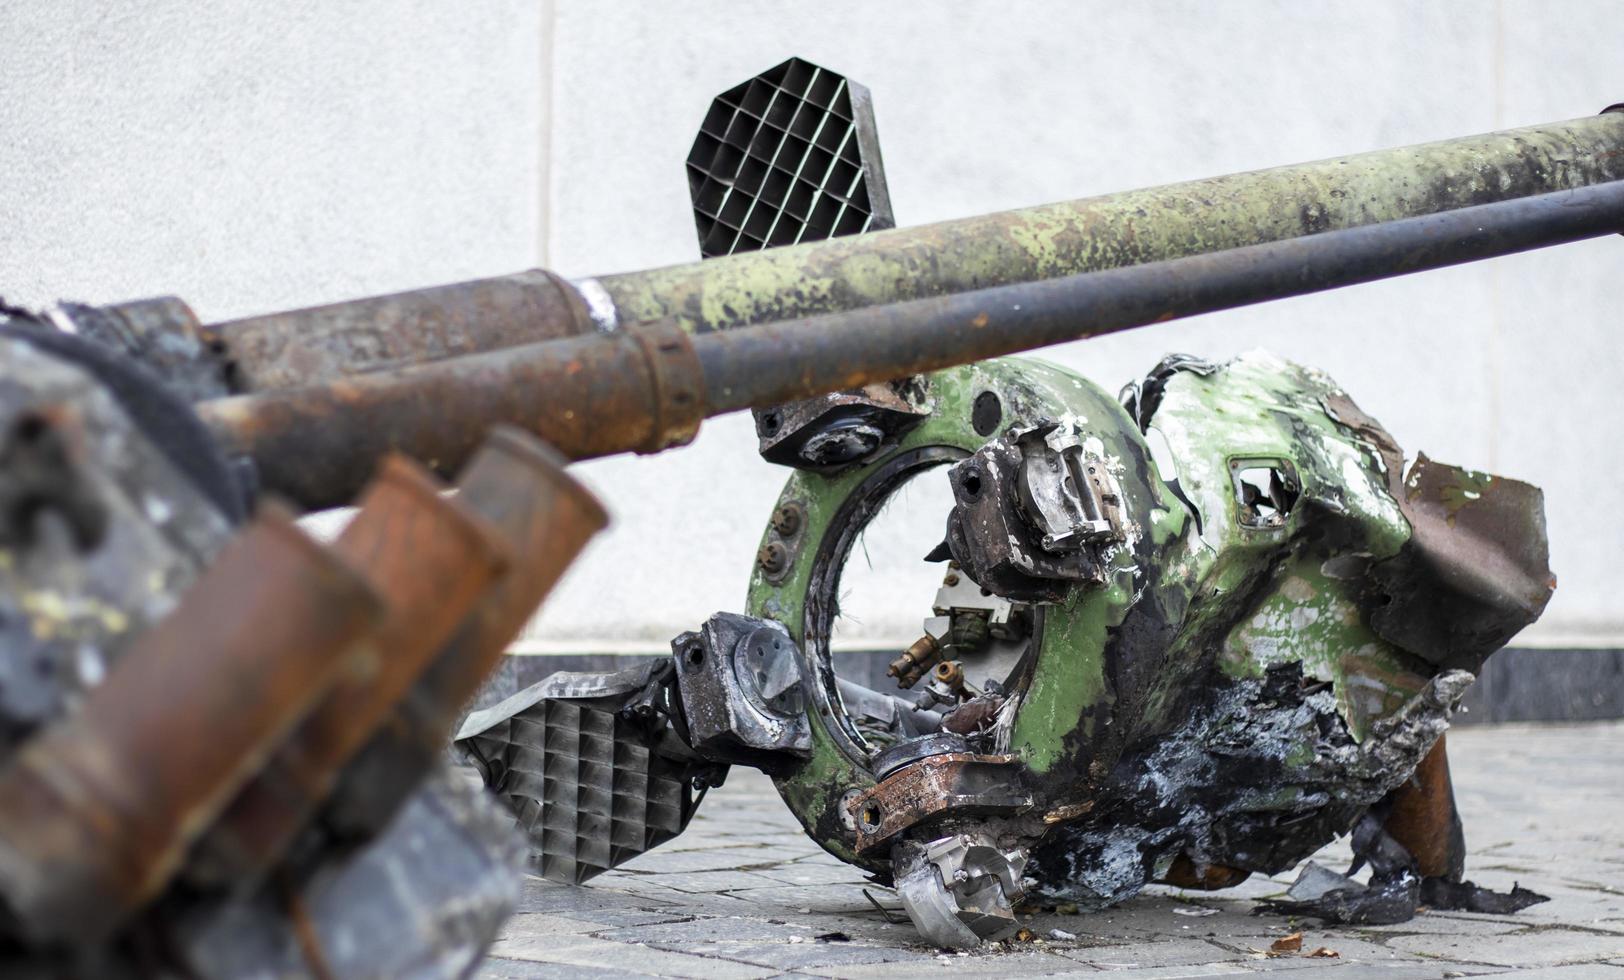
{"x": 1287, "y": 944}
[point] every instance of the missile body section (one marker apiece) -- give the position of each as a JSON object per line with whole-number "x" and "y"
{"x": 1185, "y": 635}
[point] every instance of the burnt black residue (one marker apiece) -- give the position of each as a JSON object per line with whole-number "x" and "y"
{"x": 1262, "y": 774}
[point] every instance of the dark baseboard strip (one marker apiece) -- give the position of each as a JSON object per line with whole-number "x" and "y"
{"x": 1525, "y": 684}
{"x": 1519, "y": 684}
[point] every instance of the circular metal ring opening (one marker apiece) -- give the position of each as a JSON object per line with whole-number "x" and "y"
{"x": 853, "y": 517}
{"x": 823, "y": 584}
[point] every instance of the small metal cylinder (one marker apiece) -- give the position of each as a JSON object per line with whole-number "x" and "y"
{"x": 518, "y": 486}
{"x": 918, "y": 658}
{"x": 97, "y": 812}
{"x": 431, "y": 561}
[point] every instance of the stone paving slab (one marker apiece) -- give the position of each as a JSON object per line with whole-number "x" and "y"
{"x": 743, "y": 894}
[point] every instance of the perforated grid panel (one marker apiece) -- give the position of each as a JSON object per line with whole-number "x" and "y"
{"x": 585, "y": 789}
{"x": 789, "y": 156}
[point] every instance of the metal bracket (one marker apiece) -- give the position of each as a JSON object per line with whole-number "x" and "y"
{"x": 831, "y": 432}
{"x": 1066, "y": 488}
{"x": 676, "y": 381}
{"x": 956, "y": 783}
{"x": 163, "y": 334}
{"x": 1032, "y": 512}
{"x": 960, "y": 891}
{"x": 741, "y": 687}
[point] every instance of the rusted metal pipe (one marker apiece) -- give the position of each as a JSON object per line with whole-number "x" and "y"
{"x": 630, "y": 389}
{"x": 645, "y": 389}
{"x": 321, "y": 344}
{"x": 432, "y": 561}
{"x": 1424, "y": 818}
{"x": 517, "y": 486}
{"x": 97, "y": 812}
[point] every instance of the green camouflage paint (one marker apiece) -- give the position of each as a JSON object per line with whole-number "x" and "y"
{"x": 1122, "y": 229}
{"x": 1193, "y": 594}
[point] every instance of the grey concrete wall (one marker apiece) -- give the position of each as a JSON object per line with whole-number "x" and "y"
{"x": 250, "y": 156}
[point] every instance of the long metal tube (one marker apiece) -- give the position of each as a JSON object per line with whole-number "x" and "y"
{"x": 1123, "y": 229}
{"x": 645, "y": 389}
{"x": 317, "y": 345}
{"x": 320, "y": 343}
{"x": 774, "y": 362}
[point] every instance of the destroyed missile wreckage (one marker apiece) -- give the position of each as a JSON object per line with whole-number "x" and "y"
{"x": 1184, "y": 634}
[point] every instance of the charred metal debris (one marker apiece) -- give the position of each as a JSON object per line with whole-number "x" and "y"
{"x": 1143, "y": 665}
{"x": 1184, "y": 635}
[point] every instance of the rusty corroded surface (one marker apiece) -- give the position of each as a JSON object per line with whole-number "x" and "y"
{"x": 963, "y": 783}
{"x": 96, "y": 813}
{"x": 519, "y": 488}
{"x": 321, "y": 343}
{"x": 1424, "y": 819}
{"x": 587, "y": 396}
{"x": 430, "y": 561}
{"x": 1185, "y": 873}
{"x": 647, "y": 389}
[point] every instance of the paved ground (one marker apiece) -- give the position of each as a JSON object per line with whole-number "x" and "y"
{"x": 744, "y": 894}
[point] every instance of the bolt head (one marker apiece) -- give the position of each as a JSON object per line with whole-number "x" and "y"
{"x": 773, "y": 557}
{"x": 787, "y": 520}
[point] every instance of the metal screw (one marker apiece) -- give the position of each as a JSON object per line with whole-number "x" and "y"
{"x": 787, "y": 520}
{"x": 773, "y": 557}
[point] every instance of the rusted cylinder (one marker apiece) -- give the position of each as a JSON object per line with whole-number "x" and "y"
{"x": 1425, "y": 821}
{"x": 322, "y": 343}
{"x": 317, "y": 446}
{"x": 97, "y": 812}
{"x": 648, "y": 388}
{"x": 518, "y": 486}
{"x": 1117, "y": 229}
{"x": 431, "y": 561}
